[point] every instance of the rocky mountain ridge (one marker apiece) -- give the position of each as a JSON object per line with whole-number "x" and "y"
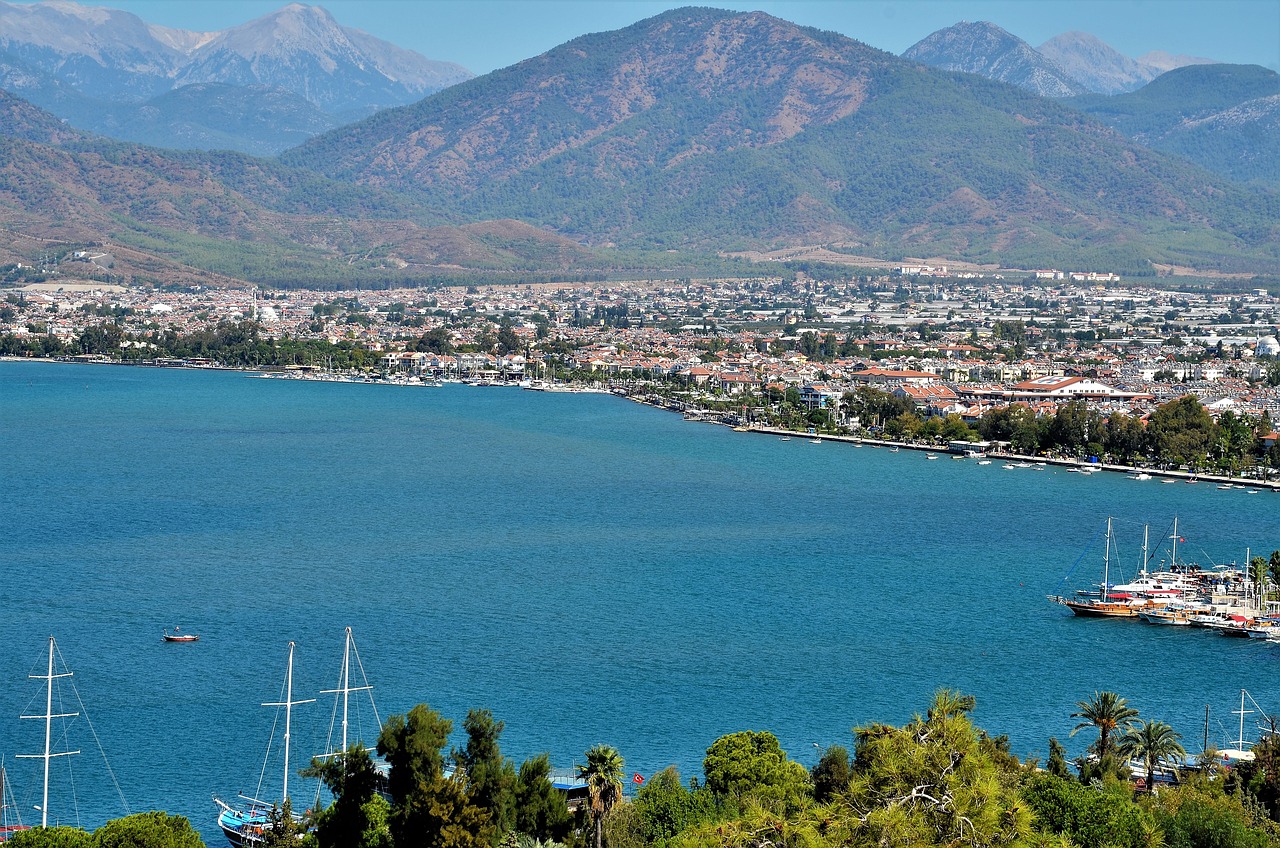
{"x": 987, "y": 50}
{"x": 1066, "y": 65}
{"x": 91, "y": 65}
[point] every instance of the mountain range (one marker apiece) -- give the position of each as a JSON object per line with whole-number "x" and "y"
{"x": 701, "y": 127}
{"x": 1066, "y": 65}
{"x": 297, "y": 71}
{"x": 693, "y": 132}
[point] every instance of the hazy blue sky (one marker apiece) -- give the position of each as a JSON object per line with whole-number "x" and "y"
{"x": 486, "y": 34}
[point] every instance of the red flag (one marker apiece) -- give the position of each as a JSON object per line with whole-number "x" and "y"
{"x": 1180, "y": 539}
{"x": 637, "y": 778}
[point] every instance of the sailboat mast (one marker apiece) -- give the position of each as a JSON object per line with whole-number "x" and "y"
{"x": 346, "y": 686}
{"x": 49, "y": 716}
{"x": 49, "y": 730}
{"x": 1145, "y": 529}
{"x": 1175, "y": 543}
{"x": 345, "y": 689}
{"x": 1106, "y": 566}
{"x": 288, "y": 705}
{"x": 288, "y": 718}
{"x": 1240, "y": 743}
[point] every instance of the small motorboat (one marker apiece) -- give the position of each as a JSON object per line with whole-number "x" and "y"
{"x": 178, "y": 636}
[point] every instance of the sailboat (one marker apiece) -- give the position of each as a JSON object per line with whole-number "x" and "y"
{"x": 245, "y": 828}
{"x": 1109, "y": 604}
{"x": 10, "y": 823}
{"x": 1238, "y": 749}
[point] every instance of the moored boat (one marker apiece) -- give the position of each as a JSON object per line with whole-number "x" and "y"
{"x": 245, "y": 828}
{"x": 1109, "y": 603}
{"x": 178, "y": 636}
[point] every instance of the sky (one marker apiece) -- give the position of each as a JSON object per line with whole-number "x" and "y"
{"x": 482, "y": 35}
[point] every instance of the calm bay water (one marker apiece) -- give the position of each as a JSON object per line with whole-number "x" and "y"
{"x": 589, "y": 569}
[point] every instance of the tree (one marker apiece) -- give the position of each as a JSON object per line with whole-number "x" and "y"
{"x": 51, "y": 837}
{"x": 1057, "y": 764}
{"x": 1260, "y": 777}
{"x": 603, "y": 775}
{"x": 282, "y": 831}
{"x": 664, "y": 808}
{"x": 1258, "y": 567}
{"x": 1195, "y": 815}
{"x": 1153, "y": 742}
{"x": 1123, "y": 435}
{"x": 435, "y": 341}
{"x": 428, "y": 809}
{"x": 935, "y": 781}
{"x": 1181, "y": 430}
{"x": 948, "y": 703}
{"x": 440, "y": 815}
{"x": 831, "y": 774}
{"x": 412, "y": 746}
{"x": 540, "y": 808}
{"x": 357, "y": 818}
{"x": 148, "y": 830}
{"x": 753, "y": 763}
{"x": 508, "y": 341}
{"x": 1001, "y": 423}
{"x": 1089, "y": 815}
{"x": 1075, "y": 425}
{"x": 1106, "y": 711}
{"x": 491, "y": 778}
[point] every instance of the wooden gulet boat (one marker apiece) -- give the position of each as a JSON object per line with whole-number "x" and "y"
{"x": 1108, "y": 604}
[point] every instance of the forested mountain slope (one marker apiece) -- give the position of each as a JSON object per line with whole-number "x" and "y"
{"x": 711, "y": 129}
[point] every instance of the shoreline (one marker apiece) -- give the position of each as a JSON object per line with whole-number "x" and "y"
{"x": 1164, "y": 475}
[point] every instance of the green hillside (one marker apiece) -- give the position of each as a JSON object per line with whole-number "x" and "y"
{"x": 661, "y": 136}
{"x": 1225, "y": 118}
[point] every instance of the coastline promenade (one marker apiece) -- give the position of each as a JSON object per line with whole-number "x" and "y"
{"x": 1166, "y": 474}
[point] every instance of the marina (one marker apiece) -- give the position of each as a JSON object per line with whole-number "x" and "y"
{"x": 466, "y": 535}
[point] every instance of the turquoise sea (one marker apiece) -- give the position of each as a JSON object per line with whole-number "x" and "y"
{"x": 589, "y": 569}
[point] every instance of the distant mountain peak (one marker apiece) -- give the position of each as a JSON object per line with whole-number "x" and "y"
{"x": 1095, "y": 64}
{"x": 988, "y": 50}
{"x": 1164, "y": 61}
{"x": 77, "y": 60}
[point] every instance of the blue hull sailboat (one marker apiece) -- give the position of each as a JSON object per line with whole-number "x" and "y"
{"x": 248, "y": 827}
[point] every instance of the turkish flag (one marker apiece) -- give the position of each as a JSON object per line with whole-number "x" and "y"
{"x": 637, "y": 778}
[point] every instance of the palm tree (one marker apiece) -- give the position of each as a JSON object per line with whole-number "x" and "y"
{"x": 1152, "y": 742}
{"x": 1106, "y": 711}
{"x": 603, "y": 775}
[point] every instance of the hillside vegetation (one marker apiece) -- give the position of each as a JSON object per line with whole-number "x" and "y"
{"x": 1222, "y": 117}
{"x": 708, "y": 129}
